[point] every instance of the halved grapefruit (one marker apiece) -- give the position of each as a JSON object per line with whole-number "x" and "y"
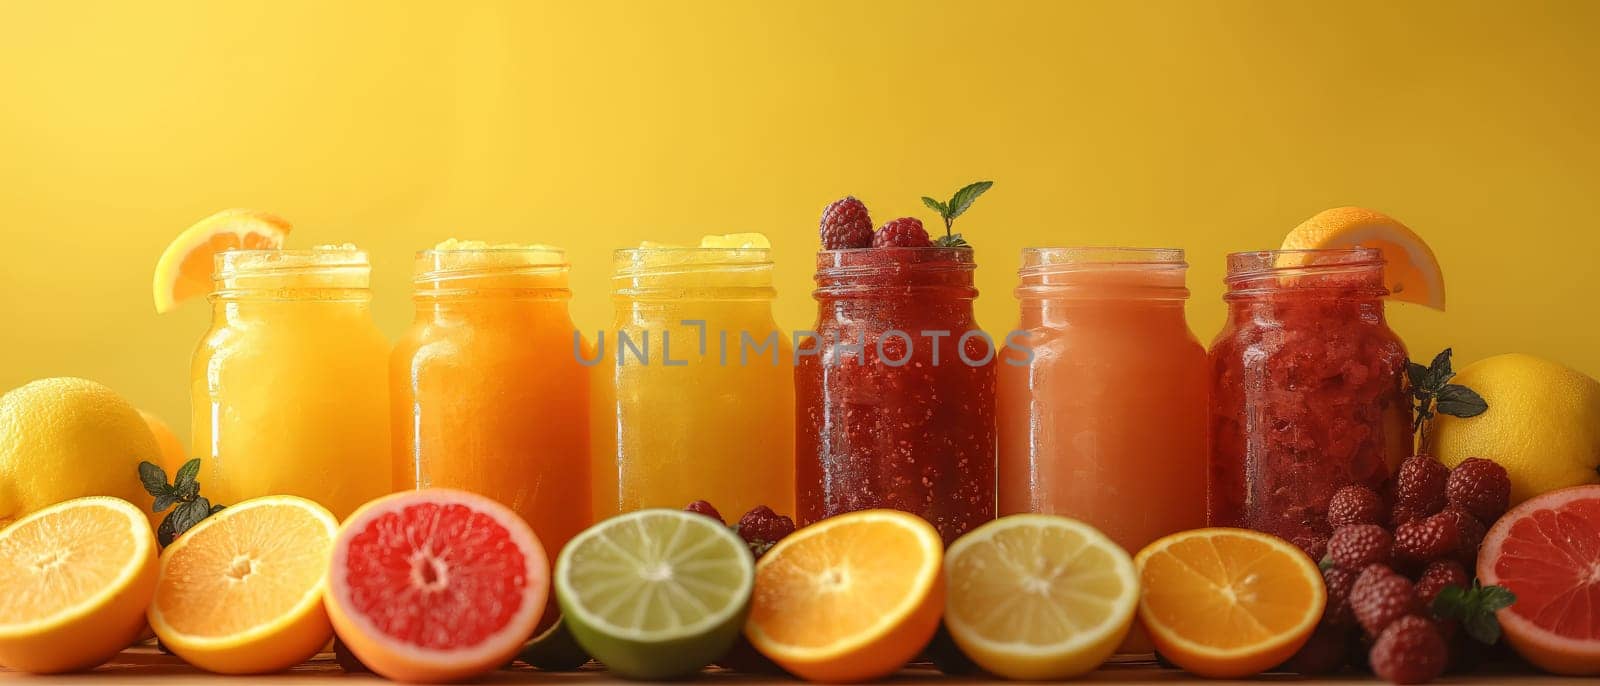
{"x": 436, "y": 585}
{"x": 1547, "y": 552}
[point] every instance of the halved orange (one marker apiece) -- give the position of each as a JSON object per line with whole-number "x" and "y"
{"x": 241, "y": 592}
{"x": 850, "y": 598}
{"x": 76, "y": 577}
{"x": 1411, "y": 272}
{"x": 184, "y": 270}
{"x": 1228, "y": 603}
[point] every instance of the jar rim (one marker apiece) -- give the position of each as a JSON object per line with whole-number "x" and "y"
{"x": 1356, "y": 271}
{"x": 1099, "y": 256}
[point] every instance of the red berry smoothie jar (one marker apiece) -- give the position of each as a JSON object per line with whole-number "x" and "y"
{"x": 1308, "y": 390}
{"x": 894, "y": 391}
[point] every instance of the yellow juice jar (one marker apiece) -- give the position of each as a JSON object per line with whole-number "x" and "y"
{"x": 694, "y": 393}
{"x": 289, "y": 387}
{"x": 487, "y": 393}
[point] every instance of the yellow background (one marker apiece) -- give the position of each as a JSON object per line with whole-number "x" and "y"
{"x": 1214, "y": 126}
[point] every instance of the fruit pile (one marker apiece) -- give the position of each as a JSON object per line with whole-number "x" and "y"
{"x": 846, "y": 225}
{"x": 1396, "y": 570}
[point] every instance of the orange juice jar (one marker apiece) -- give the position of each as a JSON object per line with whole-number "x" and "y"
{"x": 694, "y": 398}
{"x": 289, "y": 390}
{"x": 1107, "y": 422}
{"x": 488, "y": 395}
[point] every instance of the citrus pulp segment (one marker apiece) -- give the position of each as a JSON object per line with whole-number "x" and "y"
{"x": 1228, "y": 603}
{"x": 77, "y": 578}
{"x": 655, "y": 594}
{"x": 1039, "y": 596}
{"x": 850, "y": 598}
{"x": 241, "y": 592}
{"x": 1546, "y": 551}
{"x": 184, "y": 270}
{"x": 436, "y": 585}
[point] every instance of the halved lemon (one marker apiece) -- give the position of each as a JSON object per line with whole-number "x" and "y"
{"x": 1228, "y": 603}
{"x": 77, "y": 576}
{"x": 1038, "y": 596}
{"x": 241, "y": 592}
{"x": 184, "y": 270}
{"x": 1411, "y": 273}
{"x": 851, "y": 598}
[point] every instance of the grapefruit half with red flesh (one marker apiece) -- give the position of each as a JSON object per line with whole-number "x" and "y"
{"x": 1547, "y": 552}
{"x": 436, "y": 585}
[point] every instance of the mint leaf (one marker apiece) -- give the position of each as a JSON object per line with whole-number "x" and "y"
{"x": 182, "y": 519}
{"x": 154, "y": 479}
{"x": 951, "y": 241}
{"x": 1475, "y": 608}
{"x": 936, "y": 206}
{"x": 187, "y": 473}
{"x": 964, "y": 198}
{"x": 1418, "y": 375}
{"x": 163, "y": 502}
{"x": 1496, "y": 598}
{"x": 1459, "y": 401}
{"x": 1439, "y": 370}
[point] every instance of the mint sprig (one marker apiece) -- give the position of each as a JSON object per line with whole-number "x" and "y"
{"x": 957, "y": 205}
{"x": 1474, "y": 608}
{"x": 184, "y": 492}
{"x": 1434, "y": 393}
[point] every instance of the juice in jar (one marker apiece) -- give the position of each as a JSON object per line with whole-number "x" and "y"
{"x": 694, "y": 394}
{"x": 1106, "y": 423}
{"x": 894, "y": 391}
{"x": 290, "y": 386}
{"x": 1308, "y": 391}
{"x": 488, "y": 395}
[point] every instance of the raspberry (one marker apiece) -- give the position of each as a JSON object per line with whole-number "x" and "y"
{"x": 761, "y": 528}
{"x": 1420, "y": 484}
{"x": 1402, "y": 514}
{"x": 704, "y": 508}
{"x": 1354, "y": 505}
{"x": 845, "y": 224}
{"x": 1480, "y": 487}
{"x": 1438, "y": 575}
{"x": 1410, "y": 651}
{"x": 1338, "y": 581}
{"x": 1423, "y": 540}
{"x": 1379, "y": 597}
{"x": 1359, "y": 545}
{"x": 905, "y": 232}
{"x": 1323, "y": 653}
{"x": 1471, "y": 538}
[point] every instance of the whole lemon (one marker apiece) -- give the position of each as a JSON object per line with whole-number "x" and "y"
{"x": 1542, "y": 425}
{"x": 67, "y": 438}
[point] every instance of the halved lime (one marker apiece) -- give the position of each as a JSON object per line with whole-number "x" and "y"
{"x": 655, "y": 594}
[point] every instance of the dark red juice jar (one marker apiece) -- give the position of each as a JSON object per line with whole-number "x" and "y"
{"x": 905, "y": 421}
{"x": 1308, "y": 390}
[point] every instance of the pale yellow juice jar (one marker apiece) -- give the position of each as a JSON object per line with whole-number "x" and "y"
{"x": 289, "y": 387}
{"x": 708, "y": 416}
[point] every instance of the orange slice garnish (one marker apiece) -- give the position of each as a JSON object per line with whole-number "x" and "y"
{"x": 1411, "y": 272}
{"x": 185, "y": 268}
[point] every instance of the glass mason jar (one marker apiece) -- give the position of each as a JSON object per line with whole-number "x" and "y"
{"x": 289, "y": 387}
{"x": 1106, "y": 420}
{"x": 1308, "y": 390}
{"x": 694, "y": 398}
{"x": 894, "y": 391}
{"x": 487, "y": 390}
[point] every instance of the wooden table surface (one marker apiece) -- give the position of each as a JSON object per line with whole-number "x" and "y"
{"x": 150, "y": 667}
